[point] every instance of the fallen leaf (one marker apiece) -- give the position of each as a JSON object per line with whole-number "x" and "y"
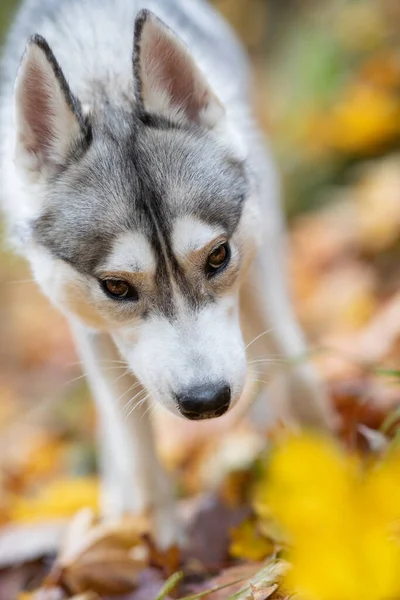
{"x": 61, "y": 498}
{"x": 262, "y": 592}
{"x": 104, "y": 558}
{"x": 227, "y": 583}
{"x": 258, "y": 576}
{"x": 167, "y": 560}
{"x": 248, "y": 543}
{"x": 208, "y": 532}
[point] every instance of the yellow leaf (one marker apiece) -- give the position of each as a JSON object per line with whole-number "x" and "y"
{"x": 248, "y": 543}
{"x": 61, "y": 498}
{"x": 342, "y": 519}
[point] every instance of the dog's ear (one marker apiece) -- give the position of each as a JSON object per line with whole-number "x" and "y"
{"x": 168, "y": 81}
{"x": 48, "y": 117}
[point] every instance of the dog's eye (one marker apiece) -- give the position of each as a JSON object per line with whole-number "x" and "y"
{"x": 218, "y": 259}
{"x": 119, "y": 289}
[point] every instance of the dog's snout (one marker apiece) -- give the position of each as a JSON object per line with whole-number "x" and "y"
{"x": 204, "y": 402}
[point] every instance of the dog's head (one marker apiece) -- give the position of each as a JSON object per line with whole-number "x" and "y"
{"x": 145, "y": 225}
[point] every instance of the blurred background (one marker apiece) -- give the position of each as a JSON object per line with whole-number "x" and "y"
{"x": 327, "y": 93}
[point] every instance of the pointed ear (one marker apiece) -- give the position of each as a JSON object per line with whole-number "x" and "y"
{"x": 49, "y": 120}
{"x": 168, "y": 81}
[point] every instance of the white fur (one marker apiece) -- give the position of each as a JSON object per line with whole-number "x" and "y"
{"x": 190, "y": 234}
{"x": 131, "y": 252}
{"x": 164, "y": 356}
{"x": 171, "y": 357}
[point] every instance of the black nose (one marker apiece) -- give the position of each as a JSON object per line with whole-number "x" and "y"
{"x": 204, "y": 402}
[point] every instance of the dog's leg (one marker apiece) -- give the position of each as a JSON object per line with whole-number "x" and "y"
{"x": 267, "y": 313}
{"x": 131, "y": 476}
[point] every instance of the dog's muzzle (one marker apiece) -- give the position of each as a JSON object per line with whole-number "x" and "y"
{"x": 204, "y": 402}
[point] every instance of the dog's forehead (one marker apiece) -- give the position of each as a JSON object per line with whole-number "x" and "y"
{"x": 131, "y": 252}
{"x": 191, "y": 234}
{"x": 190, "y": 171}
{"x": 140, "y": 179}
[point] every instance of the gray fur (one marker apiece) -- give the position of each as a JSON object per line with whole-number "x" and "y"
{"x": 130, "y": 179}
{"x": 123, "y": 177}
{"x": 133, "y": 164}
{"x": 121, "y": 159}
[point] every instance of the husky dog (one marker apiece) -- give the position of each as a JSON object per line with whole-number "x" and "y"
{"x": 135, "y": 182}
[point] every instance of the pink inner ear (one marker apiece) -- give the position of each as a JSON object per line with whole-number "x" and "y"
{"x": 38, "y": 110}
{"x": 168, "y": 67}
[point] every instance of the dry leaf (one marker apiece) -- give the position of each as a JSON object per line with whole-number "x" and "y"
{"x": 208, "y": 532}
{"x": 105, "y": 558}
{"x": 168, "y": 560}
{"x": 259, "y": 577}
{"x": 236, "y": 574}
{"x": 263, "y": 592}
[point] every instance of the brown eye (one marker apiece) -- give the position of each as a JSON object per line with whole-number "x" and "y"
{"x": 218, "y": 259}
{"x": 119, "y": 289}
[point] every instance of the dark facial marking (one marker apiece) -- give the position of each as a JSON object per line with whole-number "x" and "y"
{"x": 138, "y": 177}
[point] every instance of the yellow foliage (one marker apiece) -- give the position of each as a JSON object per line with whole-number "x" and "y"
{"x": 365, "y": 118}
{"x": 62, "y": 498}
{"x": 43, "y": 458}
{"x": 340, "y": 518}
{"x": 246, "y": 542}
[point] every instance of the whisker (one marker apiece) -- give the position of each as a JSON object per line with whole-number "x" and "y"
{"x": 126, "y": 372}
{"x": 105, "y": 360}
{"x": 154, "y": 408}
{"x": 131, "y": 400}
{"x": 257, "y": 337}
{"x": 21, "y": 281}
{"x": 151, "y": 405}
{"x": 130, "y": 389}
{"x": 259, "y": 381}
{"x": 138, "y": 403}
{"x": 83, "y": 375}
{"x": 265, "y": 360}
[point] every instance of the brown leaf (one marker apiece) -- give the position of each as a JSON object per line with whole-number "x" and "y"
{"x": 259, "y": 576}
{"x": 168, "y": 560}
{"x": 103, "y": 558}
{"x": 236, "y": 573}
{"x": 107, "y": 572}
{"x": 263, "y": 592}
